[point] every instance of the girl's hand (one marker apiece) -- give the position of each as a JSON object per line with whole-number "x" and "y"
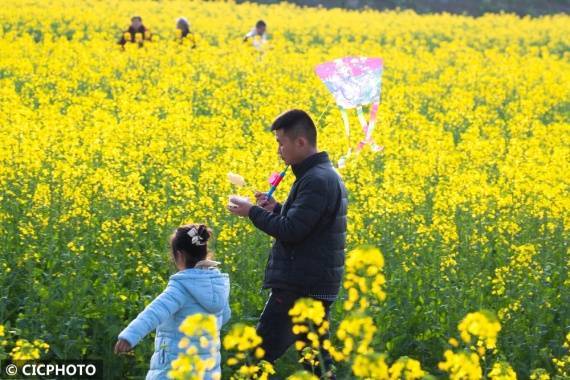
{"x": 122, "y": 346}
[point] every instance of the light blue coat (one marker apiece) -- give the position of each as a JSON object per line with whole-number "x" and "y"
{"x": 188, "y": 292}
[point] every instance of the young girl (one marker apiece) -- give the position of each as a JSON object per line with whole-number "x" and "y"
{"x": 198, "y": 287}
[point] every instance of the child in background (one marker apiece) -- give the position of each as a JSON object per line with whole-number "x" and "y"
{"x": 198, "y": 287}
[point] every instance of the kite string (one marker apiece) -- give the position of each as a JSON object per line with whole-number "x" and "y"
{"x": 322, "y": 113}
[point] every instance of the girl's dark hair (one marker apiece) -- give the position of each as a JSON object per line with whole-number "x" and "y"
{"x": 193, "y": 250}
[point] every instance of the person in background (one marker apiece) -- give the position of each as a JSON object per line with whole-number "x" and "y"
{"x": 184, "y": 32}
{"x": 258, "y": 34}
{"x": 136, "y": 33}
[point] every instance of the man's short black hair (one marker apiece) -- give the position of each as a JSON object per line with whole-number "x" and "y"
{"x": 260, "y": 23}
{"x": 296, "y": 123}
{"x": 136, "y": 18}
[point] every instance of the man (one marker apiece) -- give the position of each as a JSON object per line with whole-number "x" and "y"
{"x": 307, "y": 257}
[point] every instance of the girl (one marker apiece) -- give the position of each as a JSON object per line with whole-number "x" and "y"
{"x": 198, "y": 287}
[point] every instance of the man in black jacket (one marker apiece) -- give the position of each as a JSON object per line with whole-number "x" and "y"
{"x": 307, "y": 257}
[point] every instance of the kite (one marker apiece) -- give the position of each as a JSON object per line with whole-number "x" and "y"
{"x": 355, "y": 82}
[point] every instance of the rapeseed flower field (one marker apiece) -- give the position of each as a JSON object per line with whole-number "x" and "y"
{"x": 104, "y": 151}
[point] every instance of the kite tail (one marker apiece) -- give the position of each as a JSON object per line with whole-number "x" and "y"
{"x": 361, "y": 118}
{"x": 344, "y": 115}
{"x": 372, "y": 123}
{"x": 345, "y": 121}
{"x": 370, "y": 129}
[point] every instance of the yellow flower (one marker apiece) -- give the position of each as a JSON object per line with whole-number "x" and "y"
{"x": 406, "y": 368}
{"x": 484, "y": 326}
{"x": 502, "y": 371}
{"x": 200, "y": 324}
{"x": 184, "y": 343}
{"x": 204, "y": 342}
{"x": 189, "y": 367}
{"x": 25, "y": 350}
{"x": 241, "y": 337}
{"x": 308, "y": 310}
{"x": 299, "y": 329}
{"x": 364, "y": 280}
{"x": 461, "y": 366}
{"x": 248, "y": 370}
{"x": 359, "y": 329}
{"x": 102, "y": 151}
{"x": 370, "y": 366}
{"x": 539, "y": 374}
{"x": 259, "y": 352}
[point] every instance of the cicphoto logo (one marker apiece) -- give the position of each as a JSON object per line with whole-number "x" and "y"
{"x": 57, "y": 370}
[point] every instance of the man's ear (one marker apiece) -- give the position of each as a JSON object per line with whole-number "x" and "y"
{"x": 301, "y": 141}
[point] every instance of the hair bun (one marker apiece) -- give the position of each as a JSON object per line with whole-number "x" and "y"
{"x": 203, "y": 232}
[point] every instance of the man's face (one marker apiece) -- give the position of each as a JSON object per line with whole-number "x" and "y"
{"x": 136, "y": 23}
{"x": 260, "y": 30}
{"x": 288, "y": 149}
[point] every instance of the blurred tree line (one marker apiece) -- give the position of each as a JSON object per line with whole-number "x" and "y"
{"x": 469, "y": 7}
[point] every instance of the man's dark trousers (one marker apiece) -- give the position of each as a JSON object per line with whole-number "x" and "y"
{"x": 275, "y": 327}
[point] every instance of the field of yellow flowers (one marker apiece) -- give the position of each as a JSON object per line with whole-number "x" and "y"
{"x": 103, "y": 152}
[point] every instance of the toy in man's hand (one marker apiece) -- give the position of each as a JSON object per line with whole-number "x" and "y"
{"x": 238, "y": 181}
{"x": 275, "y": 180}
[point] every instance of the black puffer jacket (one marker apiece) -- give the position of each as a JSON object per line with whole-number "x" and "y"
{"x": 309, "y": 231}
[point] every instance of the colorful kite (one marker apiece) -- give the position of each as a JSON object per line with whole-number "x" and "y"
{"x": 355, "y": 82}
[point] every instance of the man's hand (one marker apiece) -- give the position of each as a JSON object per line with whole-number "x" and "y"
{"x": 239, "y": 206}
{"x": 122, "y": 346}
{"x": 265, "y": 203}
